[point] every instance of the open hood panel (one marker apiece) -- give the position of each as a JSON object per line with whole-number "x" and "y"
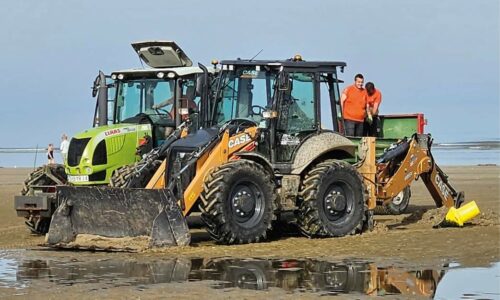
{"x": 162, "y": 54}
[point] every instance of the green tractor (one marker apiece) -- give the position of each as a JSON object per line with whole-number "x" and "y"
{"x": 136, "y": 111}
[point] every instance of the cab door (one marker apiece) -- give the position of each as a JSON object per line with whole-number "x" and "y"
{"x": 298, "y": 114}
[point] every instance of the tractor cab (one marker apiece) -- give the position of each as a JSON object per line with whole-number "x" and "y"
{"x": 162, "y": 98}
{"x": 137, "y": 110}
{"x": 290, "y": 100}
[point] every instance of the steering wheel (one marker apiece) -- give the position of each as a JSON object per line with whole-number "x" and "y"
{"x": 164, "y": 111}
{"x": 261, "y": 109}
{"x": 237, "y": 123}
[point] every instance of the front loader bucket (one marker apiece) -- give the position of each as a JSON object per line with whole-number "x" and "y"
{"x": 117, "y": 213}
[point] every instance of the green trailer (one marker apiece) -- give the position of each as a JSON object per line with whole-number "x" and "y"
{"x": 392, "y": 129}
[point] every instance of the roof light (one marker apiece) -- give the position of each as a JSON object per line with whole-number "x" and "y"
{"x": 113, "y": 76}
{"x": 297, "y": 57}
{"x": 121, "y": 76}
{"x": 160, "y": 75}
{"x": 170, "y": 74}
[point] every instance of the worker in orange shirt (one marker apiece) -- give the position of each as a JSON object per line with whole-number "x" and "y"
{"x": 354, "y": 106}
{"x": 374, "y": 98}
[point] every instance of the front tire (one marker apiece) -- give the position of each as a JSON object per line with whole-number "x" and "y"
{"x": 333, "y": 203}
{"x": 238, "y": 202}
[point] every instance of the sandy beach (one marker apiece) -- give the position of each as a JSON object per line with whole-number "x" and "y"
{"x": 407, "y": 239}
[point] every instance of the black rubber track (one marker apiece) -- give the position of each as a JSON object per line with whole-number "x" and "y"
{"x": 215, "y": 204}
{"x": 310, "y": 216}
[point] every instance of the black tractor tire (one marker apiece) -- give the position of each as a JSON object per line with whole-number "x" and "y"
{"x": 337, "y": 277}
{"x": 37, "y": 177}
{"x": 35, "y": 223}
{"x": 243, "y": 274}
{"x": 399, "y": 204}
{"x": 238, "y": 203}
{"x": 136, "y": 175}
{"x": 333, "y": 200}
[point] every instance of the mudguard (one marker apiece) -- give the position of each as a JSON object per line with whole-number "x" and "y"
{"x": 116, "y": 212}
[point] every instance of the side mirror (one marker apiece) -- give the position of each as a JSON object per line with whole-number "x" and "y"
{"x": 95, "y": 86}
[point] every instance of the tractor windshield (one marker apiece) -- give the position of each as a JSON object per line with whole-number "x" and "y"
{"x": 244, "y": 93}
{"x": 150, "y": 96}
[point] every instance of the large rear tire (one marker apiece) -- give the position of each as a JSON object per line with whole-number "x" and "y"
{"x": 333, "y": 200}
{"x": 48, "y": 177}
{"x": 238, "y": 202}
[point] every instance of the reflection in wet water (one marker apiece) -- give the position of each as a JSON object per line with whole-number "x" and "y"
{"x": 354, "y": 277}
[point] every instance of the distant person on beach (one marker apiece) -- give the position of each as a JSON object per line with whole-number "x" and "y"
{"x": 64, "y": 147}
{"x": 374, "y": 98}
{"x": 353, "y": 103}
{"x": 50, "y": 154}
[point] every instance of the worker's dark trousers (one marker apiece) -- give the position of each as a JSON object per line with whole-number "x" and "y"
{"x": 353, "y": 128}
{"x": 372, "y": 129}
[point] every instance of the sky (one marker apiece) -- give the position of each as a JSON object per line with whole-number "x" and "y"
{"x": 440, "y": 58}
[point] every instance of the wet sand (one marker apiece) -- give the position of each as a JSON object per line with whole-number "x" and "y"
{"x": 406, "y": 239}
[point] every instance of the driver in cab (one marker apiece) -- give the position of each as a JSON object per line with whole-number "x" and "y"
{"x": 187, "y": 100}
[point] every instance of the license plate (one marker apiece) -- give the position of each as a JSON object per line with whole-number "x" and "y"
{"x": 78, "y": 178}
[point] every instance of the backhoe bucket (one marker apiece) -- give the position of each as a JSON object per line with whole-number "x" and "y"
{"x": 117, "y": 213}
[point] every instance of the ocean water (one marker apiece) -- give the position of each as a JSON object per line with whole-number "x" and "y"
{"x": 445, "y": 154}
{"x": 467, "y": 153}
{"x": 25, "y": 158}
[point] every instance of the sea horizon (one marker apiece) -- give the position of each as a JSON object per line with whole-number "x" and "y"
{"x": 481, "y": 152}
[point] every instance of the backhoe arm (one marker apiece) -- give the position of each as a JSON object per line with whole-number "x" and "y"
{"x": 408, "y": 161}
{"x": 441, "y": 190}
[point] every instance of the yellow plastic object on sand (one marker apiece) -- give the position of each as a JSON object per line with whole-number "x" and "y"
{"x": 458, "y": 216}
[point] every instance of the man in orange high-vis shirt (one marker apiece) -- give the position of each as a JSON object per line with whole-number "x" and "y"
{"x": 373, "y": 103}
{"x": 353, "y": 102}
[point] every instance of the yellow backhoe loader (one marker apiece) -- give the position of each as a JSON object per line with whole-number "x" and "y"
{"x": 270, "y": 152}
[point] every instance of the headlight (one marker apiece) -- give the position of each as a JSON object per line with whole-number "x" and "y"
{"x": 88, "y": 170}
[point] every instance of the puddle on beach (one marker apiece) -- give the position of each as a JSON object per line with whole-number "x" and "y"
{"x": 29, "y": 269}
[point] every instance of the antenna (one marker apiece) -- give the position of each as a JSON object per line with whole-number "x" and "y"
{"x": 256, "y": 54}
{"x": 36, "y": 152}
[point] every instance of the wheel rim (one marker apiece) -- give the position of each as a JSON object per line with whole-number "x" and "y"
{"x": 336, "y": 277}
{"x": 338, "y": 201}
{"x": 399, "y": 198}
{"x": 247, "y": 203}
